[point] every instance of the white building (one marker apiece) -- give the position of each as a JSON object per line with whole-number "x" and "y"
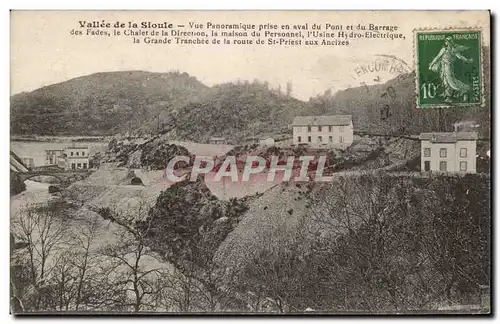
{"x": 323, "y": 131}
{"x": 29, "y": 162}
{"x": 267, "y": 142}
{"x": 449, "y": 152}
{"x": 217, "y": 140}
{"x": 52, "y": 156}
{"x": 77, "y": 157}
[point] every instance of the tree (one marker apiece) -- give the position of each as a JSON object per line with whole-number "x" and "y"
{"x": 129, "y": 258}
{"x": 135, "y": 269}
{"x": 16, "y": 184}
{"x": 289, "y": 88}
{"x": 365, "y": 226}
{"x": 186, "y": 226}
{"x": 457, "y": 236}
{"x": 83, "y": 259}
{"x": 397, "y": 243}
{"x": 279, "y": 280}
{"x": 43, "y": 231}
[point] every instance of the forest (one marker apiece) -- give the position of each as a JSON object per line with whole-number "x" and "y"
{"x": 363, "y": 244}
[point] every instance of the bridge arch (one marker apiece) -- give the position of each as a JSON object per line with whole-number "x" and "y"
{"x": 31, "y": 176}
{"x": 64, "y": 177}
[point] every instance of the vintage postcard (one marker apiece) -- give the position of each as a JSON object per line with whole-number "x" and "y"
{"x": 250, "y": 162}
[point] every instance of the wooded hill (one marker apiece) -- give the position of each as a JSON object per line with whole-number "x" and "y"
{"x": 178, "y": 104}
{"x": 102, "y": 103}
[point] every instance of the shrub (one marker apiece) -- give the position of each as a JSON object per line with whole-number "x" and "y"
{"x": 156, "y": 155}
{"x": 53, "y": 189}
{"x": 16, "y": 184}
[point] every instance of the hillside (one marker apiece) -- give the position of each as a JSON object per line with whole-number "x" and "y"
{"x": 389, "y": 108}
{"x": 237, "y": 111}
{"x": 112, "y": 102}
{"x": 103, "y": 103}
{"x": 186, "y": 109}
{"x": 395, "y": 244}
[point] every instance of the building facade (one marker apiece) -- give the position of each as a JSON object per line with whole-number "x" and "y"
{"x": 52, "y": 156}
{"x": 448, "y": 152}
{"x": 323, "y": 131}
{"x": 29, "y": 162}
{"x": 77, "y": 157}
{"x": 267, "y": 142}
{"x": 217, "y": 140}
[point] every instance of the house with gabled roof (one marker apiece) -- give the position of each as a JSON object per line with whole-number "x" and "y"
{"x": 448, "y": 152}
{"x": 323, "y": 131}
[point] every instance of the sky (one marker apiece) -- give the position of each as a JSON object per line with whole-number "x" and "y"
{"x": 44, "y": 52}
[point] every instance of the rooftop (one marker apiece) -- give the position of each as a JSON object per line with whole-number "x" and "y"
{"x": 451, "y": 137}
{"x": 335, "y": 120}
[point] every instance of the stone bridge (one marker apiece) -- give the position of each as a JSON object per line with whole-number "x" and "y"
{"x": 64, "y": 176}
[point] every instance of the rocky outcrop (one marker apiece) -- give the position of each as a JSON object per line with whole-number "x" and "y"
{"x": 16, "y": 184}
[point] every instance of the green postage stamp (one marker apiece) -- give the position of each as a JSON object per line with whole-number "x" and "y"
{"x": 449, "y": 68}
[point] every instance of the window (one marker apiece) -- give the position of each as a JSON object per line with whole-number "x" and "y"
{"x": 442, "y": 152}
{"x": 442, "y": 166}
{"x": 73, "y": 166}
{"x": 299, "y": 139}
{"x": 71, "y": 153}
{"x": 427, "y": 165}
{"x": 83, "y": 153}
{"x": 330, "y": 139}
{"x": 309, "y": 129}
{"x": 330, "y": 128}
{"x": 309, "y": 139}
{"x": 463, "y": 153}
{"x": 79, "y": 165}
{"x": 341, "y": 129}
{"x": 77, "y": 153}
{"x": 320, "y": 139}
{"x": 341, "y": 139}
{"x": 427, "y": 152}
{"x": 319, "y": 128}
{"x": 463, "y": 166}
{"x": 85, "y": 165}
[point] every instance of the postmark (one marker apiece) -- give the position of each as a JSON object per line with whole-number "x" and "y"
{"x": 379, "y": 69}
{"x": 448, "y": 68}
{"x": 390, "y": 72}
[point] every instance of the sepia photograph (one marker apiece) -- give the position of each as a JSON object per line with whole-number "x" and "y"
{"x": 250, "y": 162}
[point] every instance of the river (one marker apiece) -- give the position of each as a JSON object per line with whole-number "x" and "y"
{"x": 36, "y": 192}
{"x": 107, "y": 235}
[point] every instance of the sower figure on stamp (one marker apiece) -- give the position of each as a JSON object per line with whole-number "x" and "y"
{"x": 443, "y": 63}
